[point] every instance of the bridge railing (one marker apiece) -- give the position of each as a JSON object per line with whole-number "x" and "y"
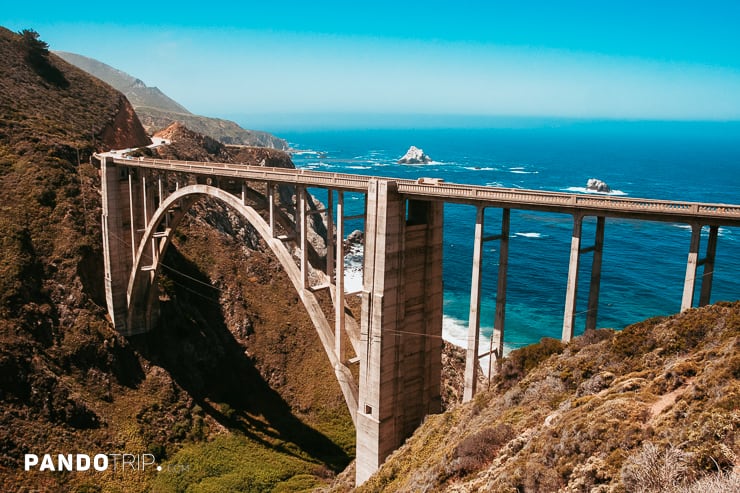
{"x": 567, "y": 200}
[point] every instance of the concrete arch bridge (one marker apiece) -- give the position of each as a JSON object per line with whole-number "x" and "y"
{"x": 397, "y": 341}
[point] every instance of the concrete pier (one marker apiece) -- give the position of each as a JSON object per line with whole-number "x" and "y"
{"x": 401, "y": 328}
{"x": 496, "y": 348}
{"x": 117, "y": 252}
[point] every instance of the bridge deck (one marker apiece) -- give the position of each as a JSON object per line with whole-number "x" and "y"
{"x": 570, "y": 203}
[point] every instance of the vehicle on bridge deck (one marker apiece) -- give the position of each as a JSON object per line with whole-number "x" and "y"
{"x": 429, "y": 181}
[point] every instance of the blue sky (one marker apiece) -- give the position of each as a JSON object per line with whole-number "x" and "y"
{"x": 624, "y": 60}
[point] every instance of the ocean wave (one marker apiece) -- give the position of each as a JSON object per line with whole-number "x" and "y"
{"x": 529, "y": 235}
{"x": 494, "y": 184}
{"x": 359, "y": 167}
{"x": 455, "y": 332}
{"x": 353, "y": 259}
{"x": 586, "y": 190}
{"x": 480, "y": 168}
{"x": 522, "y": 172}
{"x": 721, "y": 232}
{"x": 430, "y": 163}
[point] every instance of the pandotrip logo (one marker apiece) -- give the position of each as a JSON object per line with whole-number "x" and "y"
{"x": 97, "y": 463}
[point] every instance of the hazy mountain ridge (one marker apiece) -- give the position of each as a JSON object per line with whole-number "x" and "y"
{"x": 157, "y": 111}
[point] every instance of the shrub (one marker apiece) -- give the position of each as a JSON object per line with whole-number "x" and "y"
{"x": 477, "y": 450}
{"x": 715, "y": 483}
{"x": 651, "y": 470}
{"x": 519, "y": 362}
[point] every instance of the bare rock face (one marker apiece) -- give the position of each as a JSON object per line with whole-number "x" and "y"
{"x": 597, "y": 185}
{"x": 124, "y": 130}
{"x": 415, "y": 156}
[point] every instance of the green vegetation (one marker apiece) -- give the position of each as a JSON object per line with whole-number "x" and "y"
{"x": 237, "y": 463}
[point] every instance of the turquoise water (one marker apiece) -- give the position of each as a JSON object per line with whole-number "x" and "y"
{"x": 644, "y": 262}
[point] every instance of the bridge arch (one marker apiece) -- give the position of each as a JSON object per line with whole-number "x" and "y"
{"x": 146, "y": 264}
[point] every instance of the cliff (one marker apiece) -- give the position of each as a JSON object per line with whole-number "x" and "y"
{"x": 157, "y": 111}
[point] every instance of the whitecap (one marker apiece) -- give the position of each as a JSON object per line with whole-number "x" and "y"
{"x": 522, "y": 172}
{"x": 455, "y": 332}
{"x": 529, "y": 235}
{"x": 721, "y": 232}
{"x": 479, "y": 168}
{"x": 359, "y": 167}
{"x": 353, "y": 260}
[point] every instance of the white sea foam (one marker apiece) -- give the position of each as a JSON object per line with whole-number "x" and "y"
{"x": 586, "y": 190}
{"x": 528, "y": 235}
{"x": 480, "y": 168}
{"x": 494, "y": 184}
{"x": 522, "y": 172}
{"x": 359, "y": 167}
{"x": 455, "y": 332}
{"x": 705, "y": 230}
{"x": 353, "y": 269}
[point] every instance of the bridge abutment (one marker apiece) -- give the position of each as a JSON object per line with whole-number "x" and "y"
{"x": 401, "y": 330}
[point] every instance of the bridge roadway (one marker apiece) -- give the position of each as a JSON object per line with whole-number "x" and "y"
{"x": 397, "y": 340}
{"x": 515, "y": 198}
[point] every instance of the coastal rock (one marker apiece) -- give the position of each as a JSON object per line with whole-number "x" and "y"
{"x": 355, "y": 238}
{"x": 415, "y": 156}
{"x": 597, "y": 185}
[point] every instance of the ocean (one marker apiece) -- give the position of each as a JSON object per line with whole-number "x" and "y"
{"x": 644, "y": 262}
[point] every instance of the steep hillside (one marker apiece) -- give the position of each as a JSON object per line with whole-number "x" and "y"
{"x": 157, "y": 111}
{"x": 213, "y": 392}
{"x": 653, "y": 408}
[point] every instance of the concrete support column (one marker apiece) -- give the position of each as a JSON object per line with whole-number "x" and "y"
{"x": 339, "y": 346}
{"x": 271, "y": 206}
{"x": 706, "y": 281}
{"x": 401, "y": 326}
{"x": 145, "y": 198}
{"x": 117, "y": 257}
{"x": 160, "y": 190}
{"x": 593, "y": 294}
{"x": 690, "y": 280}
{"x": 330, "y": 235}
{"x": 497, "y": 339}
{"x": 301, "y": 225}
{"x": 572, "y": 287}
{"x": 471, "y": 355}
{"x": 132, "y": 220}
{"x": 244, "y": 193}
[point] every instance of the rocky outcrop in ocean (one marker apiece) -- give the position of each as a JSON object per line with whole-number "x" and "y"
{"x": 415, "y": 156}
{"x": 596, "y": 185}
